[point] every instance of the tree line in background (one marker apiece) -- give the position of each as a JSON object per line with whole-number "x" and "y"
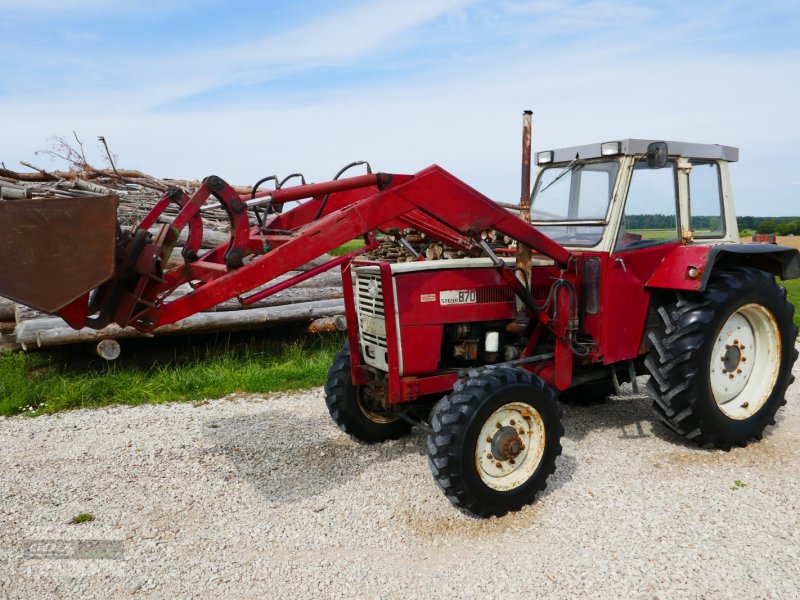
{"x": 779, "y": 225}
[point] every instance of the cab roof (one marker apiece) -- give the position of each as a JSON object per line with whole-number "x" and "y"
{"x": 635, "y": 146}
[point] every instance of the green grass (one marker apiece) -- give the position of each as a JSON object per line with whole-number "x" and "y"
{"x": 793, "y": 295}
{"x": 656, "y": 234}
{"x": 49, "y": 382}
{"x": 81, "y": 518}
{"x": 348, "y": 247}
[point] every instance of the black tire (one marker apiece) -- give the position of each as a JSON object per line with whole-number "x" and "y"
{"x": 587, "y": 394}
{"x": 457, "y": 420}
{"x": 680, "y": 361}
{"x": 348, "y": 411}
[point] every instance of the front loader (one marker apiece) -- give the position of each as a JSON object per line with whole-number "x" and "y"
{"x": 476, "y": 350}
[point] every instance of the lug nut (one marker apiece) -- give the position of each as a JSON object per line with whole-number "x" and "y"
{"x": 498, "y": 425}
{"x": 738, "y": 370}
{"x": 490, "y": 439}
{"x": 745, "y": 405}
{"x": 498, "y": 464}
{"x": 727, "y": 346}
{"x": 511, "y": 460}
{"x": 731, "y": 375}
{"x": 512, "y": 422}
{"x": 489, "y": 455}
{"x": 744, "y": 359}
{"x": 735, "y": 342}
{"x": 724, "y": 370}
{"x": 520, "y": 431}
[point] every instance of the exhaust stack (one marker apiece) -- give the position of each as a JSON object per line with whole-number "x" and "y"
{"x": 523, "y": 251}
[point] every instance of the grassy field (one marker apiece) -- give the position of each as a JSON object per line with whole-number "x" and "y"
{"x": 655, "y": 234}
{"x": 348, "y": 247}
{"x": 178, "y": 370}
{"x": 793, "y": 294}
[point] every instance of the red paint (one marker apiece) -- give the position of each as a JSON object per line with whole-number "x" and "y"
{"x": 672, "y": 272}
{"x": 625, "y": 300}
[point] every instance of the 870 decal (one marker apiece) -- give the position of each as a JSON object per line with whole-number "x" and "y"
{"x": 458, "y": 297}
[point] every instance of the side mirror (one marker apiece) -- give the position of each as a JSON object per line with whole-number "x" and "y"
{"x": 657, "y": 155}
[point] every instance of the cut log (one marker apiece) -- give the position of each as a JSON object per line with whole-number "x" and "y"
{"x": 80, "y": 184}
{"x": 328, "y": 325}
{"x": 13, "y": 193}
{"x": 53, "y": 331}
{"x": 26, "y": 313}
{"x": 7, "y": 308}
{"x": 293, "y": 295}
{"x": 108, "y": 349}
{"x": 211, "y": 238}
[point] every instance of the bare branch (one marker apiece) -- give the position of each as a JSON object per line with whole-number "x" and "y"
{"x": 80, "y": 144}
{"x": 35, "y": 168}
{"x": 110, "y": 158}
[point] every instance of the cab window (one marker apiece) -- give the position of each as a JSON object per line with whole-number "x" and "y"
{"x": 705, "y": 200}
{"x": 651, "y": 213}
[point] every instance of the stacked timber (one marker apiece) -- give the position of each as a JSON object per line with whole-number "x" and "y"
{"x": 317, "y": 301}
{"x": 392, "y": 250}
{"x": 8, "y": 323}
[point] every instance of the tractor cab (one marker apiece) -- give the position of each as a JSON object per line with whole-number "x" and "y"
{"x": 618, "y": 196}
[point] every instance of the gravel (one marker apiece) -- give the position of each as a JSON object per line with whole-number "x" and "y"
{"x": 264, "y": 496}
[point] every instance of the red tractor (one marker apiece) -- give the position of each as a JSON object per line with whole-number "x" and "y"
{"x": 629, "y": 264}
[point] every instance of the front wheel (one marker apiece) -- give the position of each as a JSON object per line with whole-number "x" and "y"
{"x": 495, "y": 440}
{"x": 722, "y": 359}
{"x": 357, "y": 410}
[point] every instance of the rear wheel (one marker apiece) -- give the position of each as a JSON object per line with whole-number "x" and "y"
{"x": 358, "y": 410}
{"x": 495, "y": 440}
{"x": 722, "y": 360}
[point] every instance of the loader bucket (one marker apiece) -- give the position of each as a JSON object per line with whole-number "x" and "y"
{"x": 55, "y": 250}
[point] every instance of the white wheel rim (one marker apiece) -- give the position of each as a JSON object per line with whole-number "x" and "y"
{"x": 507, "y": 471}
{"x": 745, "y": 361}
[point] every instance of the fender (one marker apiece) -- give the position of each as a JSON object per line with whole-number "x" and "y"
{"x": 673, "y": 272}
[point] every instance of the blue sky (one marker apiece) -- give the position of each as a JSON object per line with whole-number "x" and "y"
{"x": 246, "y": 89}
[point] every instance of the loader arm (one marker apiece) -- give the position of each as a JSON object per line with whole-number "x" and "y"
{"x": 139, "y": 294}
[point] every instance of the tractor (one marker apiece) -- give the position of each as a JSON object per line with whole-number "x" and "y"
{"x": 624, "y": 261}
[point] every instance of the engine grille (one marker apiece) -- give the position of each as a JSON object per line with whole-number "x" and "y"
{"x": 371, "y": 319}
{"x": 369, "y": 294}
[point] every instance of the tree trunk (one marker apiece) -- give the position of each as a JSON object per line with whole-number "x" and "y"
{"x": 53, "y": 331}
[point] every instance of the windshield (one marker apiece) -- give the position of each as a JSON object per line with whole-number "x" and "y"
{"x": 578, "y": 192}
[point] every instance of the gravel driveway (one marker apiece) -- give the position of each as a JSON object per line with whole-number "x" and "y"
{"x": 264, "y": 496}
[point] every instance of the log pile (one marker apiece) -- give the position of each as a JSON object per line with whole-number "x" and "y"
{"x": 318, "y": 301}
{"x": 137, "y": 192}
{"x": 392, "y": 250}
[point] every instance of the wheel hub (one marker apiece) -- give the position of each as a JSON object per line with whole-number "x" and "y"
{"x": 510, "y": 446}
{"x": 744, "y": 361}
{"x": 369, "y": 398}
{"x": 733, "y": 358}
{"x": 506, "y": 443}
